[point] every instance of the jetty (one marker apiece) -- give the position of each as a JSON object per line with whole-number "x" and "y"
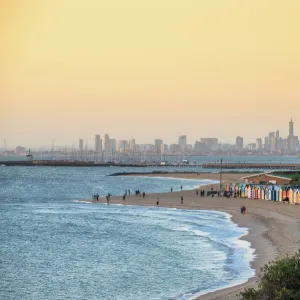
{"x": 212, "y": 165}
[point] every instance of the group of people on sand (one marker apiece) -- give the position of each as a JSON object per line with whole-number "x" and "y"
{"x": 201, "y": 193}
{"x": 243, "y": 210}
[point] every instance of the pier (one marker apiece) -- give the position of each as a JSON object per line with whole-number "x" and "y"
{"x": 212, "y": 165}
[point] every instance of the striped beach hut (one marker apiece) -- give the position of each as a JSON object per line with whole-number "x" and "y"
{"x": 258, "y": 192}
{"x": 249, "y": 191}
{"x": 263, "y": 193}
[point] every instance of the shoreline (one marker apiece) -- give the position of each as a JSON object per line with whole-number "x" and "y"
{"x": 273, "y": 228}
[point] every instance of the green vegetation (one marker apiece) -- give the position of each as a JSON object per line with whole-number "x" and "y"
{"x": 280, "y": 281}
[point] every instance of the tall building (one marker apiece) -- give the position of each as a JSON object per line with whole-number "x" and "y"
{"x": 106, "y": 143}
{"x": 132, "y": 145}
{"x": 239, "y": 143}
{"x": 98, "y": 144}
{"x": 277, "y": 134}
{"x": 291, "y": 128}
{"x": 182, "y": 141}
{"x": 80, "y": 145}
{"x": 267, "y": 144}
{"x": 259, "y": 144}
{"x": 123, "y": 146}
{"x": 112, "y": 145}
{"x": 159, "y": 146}
{"x": 272, "y": 141}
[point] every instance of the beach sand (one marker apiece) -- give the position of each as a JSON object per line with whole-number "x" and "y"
{"x": 274, "y": 228}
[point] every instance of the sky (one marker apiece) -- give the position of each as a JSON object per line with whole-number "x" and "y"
{"x": 71, "y": 69}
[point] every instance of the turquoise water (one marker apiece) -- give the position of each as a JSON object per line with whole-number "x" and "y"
{"x": 54, "y": 247}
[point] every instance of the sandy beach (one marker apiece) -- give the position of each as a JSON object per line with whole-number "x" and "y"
{"x": 274, "y": 228}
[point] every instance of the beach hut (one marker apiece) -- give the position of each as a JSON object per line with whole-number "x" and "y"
{"x": 242, "y": 191}
{"x": 258, "y": 192}
{"x": 273, "y": 193}
{"x": 298, "y": 197}
{"x": 295, "y": 196}
{"x": 280, "y": 194}
{"x": 246, "y": 191}
{"x": 266, "y": 193}
{"x": 249, "y": 191}
{"x": 277, "y": 191}
{"x": 289, "y": 194}
{"x": 284, "y": 193}
{"x": 254, "y": 192}
{"x": 263, "y": 193}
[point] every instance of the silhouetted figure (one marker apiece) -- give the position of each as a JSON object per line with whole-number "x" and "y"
{"x": 107, "y": 199}
{"x": 144, "y": 194}
{"x": 181, "y": 187}
{"x": 197, "y": 192}
{"x": 171, "y": 189}
{"x": 157, "y": 201}
{"x": 124, "y": 196}
{"x": 181, "y": 199}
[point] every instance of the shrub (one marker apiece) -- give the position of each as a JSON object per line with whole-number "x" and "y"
{"x": 280, "y": 281}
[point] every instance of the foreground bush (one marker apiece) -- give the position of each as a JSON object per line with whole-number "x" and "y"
{"x": 280, "y": 281}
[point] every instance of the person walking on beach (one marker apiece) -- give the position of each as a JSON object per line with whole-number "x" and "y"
{"x": 171, "y": 189}
{"x": 144, "y": 194}
{"x": 181, "y": 199}
{"x": 197, "y": 192}
{"x": 107, "y": 199}
{"x": 181, "y": 187}
{"x": 157, "y": 202}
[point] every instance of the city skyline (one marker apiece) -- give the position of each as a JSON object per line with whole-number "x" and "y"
{"x": 147, "y": 69}
{"x": 272, "y": 142}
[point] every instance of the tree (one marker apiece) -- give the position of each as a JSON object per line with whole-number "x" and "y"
{"x": 280, "y": 281}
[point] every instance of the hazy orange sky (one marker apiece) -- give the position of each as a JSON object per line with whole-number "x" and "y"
{"x": 147, "y": 69}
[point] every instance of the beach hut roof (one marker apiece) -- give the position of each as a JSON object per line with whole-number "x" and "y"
{"x": 265, "y": 173}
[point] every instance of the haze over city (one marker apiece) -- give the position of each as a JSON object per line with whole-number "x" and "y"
{"x": 146, "y": 70}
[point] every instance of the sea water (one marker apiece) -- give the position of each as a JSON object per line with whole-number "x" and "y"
{"x": 53, "y": 247}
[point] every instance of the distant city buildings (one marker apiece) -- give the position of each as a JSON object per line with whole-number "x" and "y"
{"x": 98, "y": 144}
{"x": 272, "y": 143}
{"x": 159, "y": 146}
{"x": 80, "y": 145}
{"x": 106, "y": 143}
{"x": 20, "y": 150}
{"x": 239, "y": 143}
{"x": 182, "y": 141}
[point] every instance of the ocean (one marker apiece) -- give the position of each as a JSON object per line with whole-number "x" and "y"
{"x": 55, "y": 247}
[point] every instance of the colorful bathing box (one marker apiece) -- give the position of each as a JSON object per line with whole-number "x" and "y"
{"x": 265, "y": 192}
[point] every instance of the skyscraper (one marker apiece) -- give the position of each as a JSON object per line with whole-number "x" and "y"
{"x": 113, "y": 145}
{"x": 182, "y": 143}
{"x": 291, "y": 128}
{"x": 239, "y": 142}
{"x": 106, "y": 143}
{"x": 259, "y": 144}
{"x": 159, "y": 146}
{"x": 98, "y": 144}
{"x": 132, "y": 145}
{"x": 80, "y": 145}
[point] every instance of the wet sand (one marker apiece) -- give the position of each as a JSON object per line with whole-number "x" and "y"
{"x": 274, "y": 228}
